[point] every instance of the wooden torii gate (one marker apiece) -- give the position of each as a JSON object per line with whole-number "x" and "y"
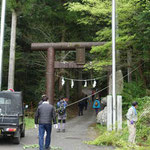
{"x": 80, "y": 48}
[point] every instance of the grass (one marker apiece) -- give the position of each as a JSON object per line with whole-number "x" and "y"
{"x": 37, "y": 146}
{"x": 29, "y": 122}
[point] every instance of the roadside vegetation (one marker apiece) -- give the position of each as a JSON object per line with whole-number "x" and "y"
{"x": 29, "y": 122}
{"x": 120, "y": 139}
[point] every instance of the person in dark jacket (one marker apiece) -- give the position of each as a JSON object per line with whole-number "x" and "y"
{"x": 44, "y": 116}
{"x": 81, "y": 107}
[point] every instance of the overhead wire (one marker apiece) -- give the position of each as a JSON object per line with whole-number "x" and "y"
{"x": 104, "y": 87}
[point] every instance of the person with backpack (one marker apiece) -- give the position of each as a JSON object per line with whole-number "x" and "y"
{"x": 96, "y": 105}
{"x": 62, "y": 115}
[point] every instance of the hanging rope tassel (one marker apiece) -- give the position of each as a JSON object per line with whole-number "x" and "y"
{"x": 72, "y": 83}
{"x": 94, "y": 84}
{"x": 63, "y": 81}
{"x": 85, "y": 84}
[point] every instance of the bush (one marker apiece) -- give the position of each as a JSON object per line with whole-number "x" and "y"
{"x": 131, "y": 92}
{"x": 29, "y": 122}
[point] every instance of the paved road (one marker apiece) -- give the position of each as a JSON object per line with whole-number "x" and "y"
{"x": 78, "y": 130}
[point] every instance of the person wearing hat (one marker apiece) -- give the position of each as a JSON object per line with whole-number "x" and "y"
{"x": 131, "y": 121}
{"x": 11, "y": 90}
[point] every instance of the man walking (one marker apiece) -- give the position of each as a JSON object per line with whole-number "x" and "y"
{"x": 81, "y": 105}
{"x": 44, "y": 115}
{"x": 131, "y": 122}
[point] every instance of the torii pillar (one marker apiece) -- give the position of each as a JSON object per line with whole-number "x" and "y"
{"x": 50, "y": 78}
{"x": 51, "y": 64}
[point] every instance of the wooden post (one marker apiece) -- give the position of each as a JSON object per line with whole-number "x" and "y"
{"x": 129, "y": 61}
{"x": 11, "y": 73}
{"x": 50, "y": 74}
{"x": 109, "y": 113}
{"x": 119, "y": 112}
{"x": 68, "y": 89}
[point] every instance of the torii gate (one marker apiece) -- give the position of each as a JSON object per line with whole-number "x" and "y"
{"x": 80, "y": 48}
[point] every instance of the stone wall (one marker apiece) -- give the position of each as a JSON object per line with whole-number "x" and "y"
{"x": 102, "y": 117}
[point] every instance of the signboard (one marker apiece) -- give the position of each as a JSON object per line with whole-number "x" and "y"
{"x": 80, "y": 56}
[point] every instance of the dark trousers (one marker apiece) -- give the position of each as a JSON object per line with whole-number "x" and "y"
{"x": 81, "y": 111}
{"x": 86, "y": 104}
{"x": 42, "y": 129}
{"x": 96, "y": 110}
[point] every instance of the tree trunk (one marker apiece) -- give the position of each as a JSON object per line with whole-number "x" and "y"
{"x": 129, "y": 62}
{"x": 141, "y": 74}
{"x": 79, "y": 84}
{"x": 12, "y": 51}
{"x": 62, "y": 53}
{"x": 68, "y": 89}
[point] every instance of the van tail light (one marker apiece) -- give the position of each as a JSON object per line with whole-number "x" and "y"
{"x": 11, "y": 129}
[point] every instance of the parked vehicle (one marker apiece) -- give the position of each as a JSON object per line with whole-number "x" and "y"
{"x": 12, "y": 122}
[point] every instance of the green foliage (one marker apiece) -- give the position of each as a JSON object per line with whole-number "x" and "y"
{"x": 31, "y": 146}
{"x": 20, "y": 6}
{"x": 132, "y": 29}
{"x": 143, "y": 128}
{"x": 29, "y": 122}
{"x": 37, "y": 146}
{"x": 76, "y": 20}
{"x": 38, "y": 21}
{"x": 131, "y": 92}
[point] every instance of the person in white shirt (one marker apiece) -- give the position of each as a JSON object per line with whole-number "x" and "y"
{"x": 131, "y": 121}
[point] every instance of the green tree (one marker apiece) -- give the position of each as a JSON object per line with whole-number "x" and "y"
{"x": 133, "y": 19}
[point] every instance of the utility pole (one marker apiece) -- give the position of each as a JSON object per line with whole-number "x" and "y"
{"x": 114, "y": 61}
{"x": 2, "y": 38}
{"x": 11, "y": 72}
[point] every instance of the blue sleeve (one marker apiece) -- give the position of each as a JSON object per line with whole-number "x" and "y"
{"x": 65, "y": 104}
{"x": 58, "y": 104}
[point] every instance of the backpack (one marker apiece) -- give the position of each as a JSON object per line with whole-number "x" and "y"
{"x": 96, "y": 103}
{"x": 61, "y": 108}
